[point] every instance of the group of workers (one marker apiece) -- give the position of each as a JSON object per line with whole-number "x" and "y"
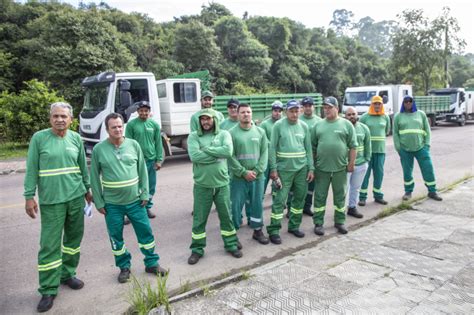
{"x": 233, "y": 162}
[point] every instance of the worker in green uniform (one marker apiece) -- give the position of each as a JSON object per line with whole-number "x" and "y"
{"x": 310, "y": 119}
{"x": 207, "y": 100}
{"x": 233, "y": 116}
{"x": 209, "y": 148}
{"x": 248, "y": 163}
{"x": 119, "y": 183}
{"x": 147, "y": 133}
{"x": 334, "y": 147}
{"x": 291, "y": 162}
{"x": 412, "y": 137}
{"x": 56, "y": 166}
{"x": 379, "y": 126}
{"x": 267, "y": 126}
{"x": 364, "y": 153}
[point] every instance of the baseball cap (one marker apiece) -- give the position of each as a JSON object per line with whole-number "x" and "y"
{"x": 377, "y": 99}
{"x": 277, "y": 105}
{"x": 307, "y": 101}
{"x": 144, "y": 104}
{"x": 292, "y": 104}
{"x": 233, "y": 102}
{"x": 207, "y": 93}
{"x": 209, "y": 112}
{"x": 331, "y": 101}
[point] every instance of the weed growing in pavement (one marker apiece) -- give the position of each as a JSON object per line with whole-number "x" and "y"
{"x": 206, "y": 289}
{"x": 246, "y": 275}
{"x": 185, "y": 287}
{"x": 143, "y": 297}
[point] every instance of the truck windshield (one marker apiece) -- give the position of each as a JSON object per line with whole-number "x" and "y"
{"x": 358, "y": 98}
{"x": 95, "y": 98}
{"x": 453, "y": 95}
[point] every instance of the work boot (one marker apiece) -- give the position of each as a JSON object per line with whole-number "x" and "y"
{"x": 361, "y": 203}
{"x": 354, "y": 213}
{"x": 236, "y": 253}
{"x": 194, "y": 258}
{"x": 319, "y": 229}
{"x": 435, "y": 196}
{"x": 296, "y": 233}
{"x": 124, "y": 275}
{"x": 341, "y": 228}
{"x": 381, "y": 201}
{"x": 150, "y": 214}
{"x": 126, "y": 221}
{"x": 73, "y": 283}
{"x": 239, "y": 245}
{"x": 275, "y": 239}
{"x": 260, "y": 237}
{"x": 156, "y": 270}
{"x": 407, "y": 196}
{"x": 308, "y": 211}
{"x": 45, "y": 303}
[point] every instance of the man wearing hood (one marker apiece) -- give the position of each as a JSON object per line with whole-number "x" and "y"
{"x": 411, "y": 136}
{"x": 209, "y": 148}
{"x": 379, "y": 126}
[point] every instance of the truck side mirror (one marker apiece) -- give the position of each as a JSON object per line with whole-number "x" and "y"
{"x": 461, "y": 97}
{"x": 385, "y": 99}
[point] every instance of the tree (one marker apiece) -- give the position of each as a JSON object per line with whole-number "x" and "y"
{"x": 211, "y": 13}
{"x": 342, "y": 21}
{"x": 376, "y": 35}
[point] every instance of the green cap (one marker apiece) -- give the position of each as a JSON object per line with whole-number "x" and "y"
{"x": 207, "y": 94}
{"x": 209, "y": 112}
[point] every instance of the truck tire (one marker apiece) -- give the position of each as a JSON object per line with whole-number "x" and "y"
{"x": 462, "y": 122}
{"x": 432, "y": 120}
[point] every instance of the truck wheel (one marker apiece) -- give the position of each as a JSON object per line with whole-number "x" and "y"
{"x": 462, "y": 122}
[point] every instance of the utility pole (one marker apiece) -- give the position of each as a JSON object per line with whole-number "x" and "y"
{"x": 446, "y": 51}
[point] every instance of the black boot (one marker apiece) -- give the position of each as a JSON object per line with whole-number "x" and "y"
{"x": 150, "y": 214}
{"x": 260, "y": 237}
{"x": 341, "y": 228}
{"x": 354, "y": 213}
{"x": 433, "y": 195}
{"x": 46, "y": 303}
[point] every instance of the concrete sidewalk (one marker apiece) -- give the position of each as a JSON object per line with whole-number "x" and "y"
{"x": 418, "y": 261}
{"x": 9, "y": 166}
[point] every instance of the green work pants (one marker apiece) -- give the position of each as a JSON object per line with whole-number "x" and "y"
{"x": 308, "y": 202}
{"x": 203, "y": 199}
{"x": 59, "y": 252}
{"x": 291, "y": 181}
{"x": 338, "y": 181}
{"x": 426, "y": 166}
{"x": 150, "y": 166}
{"x": 376, "y": 164}
{"x": 243, "y": 192}
{"x": 137, "y": 215}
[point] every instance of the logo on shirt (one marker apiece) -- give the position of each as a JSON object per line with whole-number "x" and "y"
{"x": 72, "y": 149}
{"x": 255, "y": 139}
{"x": 150, "y": 129}
{"x": 299, "y": 135}
{"x": 338, "y": 131}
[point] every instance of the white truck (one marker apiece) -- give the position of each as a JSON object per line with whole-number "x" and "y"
{"x": 460, "y": 108}
{"x": 172, "y": 101}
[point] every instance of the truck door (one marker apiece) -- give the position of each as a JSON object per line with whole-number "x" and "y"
{"x": 128, "y": 93}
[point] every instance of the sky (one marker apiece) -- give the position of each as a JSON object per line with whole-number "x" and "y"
{"x": 316, "y": 13}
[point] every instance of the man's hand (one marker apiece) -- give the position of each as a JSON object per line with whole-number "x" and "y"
{"x": 157, "y": 166}
{"x": 250, "y": 176}
{"x": 31, "y": 208}
{"x": 310, "y": 177}
{"x": 274, "y": 175}
{"x": 102, "y": 210}
{"x": 144, "y": 203}
{"x": 350, "y": 167}
{"x": 88, "y": 197}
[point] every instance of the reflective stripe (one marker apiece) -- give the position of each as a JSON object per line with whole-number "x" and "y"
{"x": 409, "y": 131}
{"x": 410, "y": 182}
{"x": 343, "y": 209}
{"x": 124, "y": 183}
{"x": 255, "y": 219}
{"x": 296, "y": 211}
{"x": 228, "y": 233}
{"x": 321, "y": 209}
{"x": 360, "y": 148}
{"x": 119, "y": 252}
{"x": 70, "y": 251}
{"x": 249, "y": 156}
{"x": 290, "y": 155}
{"x": 277, "y": 216}
{"x": 60, "y": 171}
{"x": 430, "y": 183}
{"x": 363, "y": 191}
{"x": 377, "y": 190}
{"x": 51, "y": 265}
{"x": 198, "y": 236}
{"x": 377, "y": 138}
{"x": 147, "y": 246}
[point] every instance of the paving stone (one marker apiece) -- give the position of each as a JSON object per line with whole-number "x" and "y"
{"x": 284, "y": 276}
{"x": 450, "y": 299}
{"x": 456, "y": 204}
{"x": 463, "y": 237}
{"x": 413, "y": 216}
{"x": 406, "y": 280}
{"x": 374, "y": 235}
{"x": 385, "y": 284}
{"x": 201, "y": 305}
{"x": 411, "y": 244}
{"x": 450, "y": 221}
{"x": 345, "y": 247}
{"x": 388, "y": 257}
{"x": 429, "y": 232}
{"x": 451, "y": 251}
{"x": 465, "y": 278}
{"x": 319, "y": 260}
{"x": 358, "y": 272}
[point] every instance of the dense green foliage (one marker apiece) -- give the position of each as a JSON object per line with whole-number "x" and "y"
{"x": 60, "y": 44}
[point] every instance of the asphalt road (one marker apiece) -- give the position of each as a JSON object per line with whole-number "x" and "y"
{"x": 453, "y": 156}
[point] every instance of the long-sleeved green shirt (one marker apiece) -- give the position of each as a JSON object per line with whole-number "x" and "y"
{"x": 364, "y": 146}
{"x": 267, "y": 126}
{"x": 290, "y": 147}
{"x": 118, "y": 175}
{"x": 331, "y": 141}
{"x": 379, "y": 126}
{"x": 148, "y": 135}
{"x": 250, "y": 151}
{"x": 310, "y": 121}
{"x": 194, "y": 124}
{"x": 228, "y": 124}
{"x": 411, "y": 131}
{"x": 57, "y": 166}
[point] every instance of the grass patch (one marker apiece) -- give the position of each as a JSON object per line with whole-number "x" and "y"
{"x": 206, "y": 289}
{"x": 11, "y": 150}
{"x": 246, "y": 275}
{"x": 184, "y": 287}
{"x": 143, "y": 297}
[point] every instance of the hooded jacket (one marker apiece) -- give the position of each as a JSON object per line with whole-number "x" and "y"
{"x": 209, "y": 152}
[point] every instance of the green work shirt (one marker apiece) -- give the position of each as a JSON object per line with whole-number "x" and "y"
{"x": 57, "y": 167}
{"x": 411, "y": 131}
{"x": 290, "y": 148}
{"x": 364, "y": 147}
{"x": 379, "y": 126}
{"x": 194, "y": 124}
{"x": 228, "y": 124}
{"x": 310, "y": 121}
{"x": 148, "y": 135}
{"x": 250, "y": 151}
{"x": 118, "y": 175}
{"x": 331, "y": 142}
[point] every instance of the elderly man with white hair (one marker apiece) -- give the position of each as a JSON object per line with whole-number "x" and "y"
{"x": 56, "y": 166}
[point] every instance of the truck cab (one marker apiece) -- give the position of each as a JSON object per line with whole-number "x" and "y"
{"x": 111, "y": 92}
{"x": 457, "y": 109}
